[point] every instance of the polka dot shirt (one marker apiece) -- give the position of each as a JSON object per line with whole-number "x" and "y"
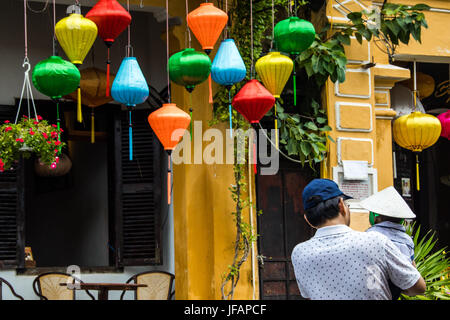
{"x": 339, "y": 263}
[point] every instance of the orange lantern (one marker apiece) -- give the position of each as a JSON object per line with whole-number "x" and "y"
{"x": 207, "y": 23}
{"x": 93, "y": 92}
{"x": 169, "y": 124}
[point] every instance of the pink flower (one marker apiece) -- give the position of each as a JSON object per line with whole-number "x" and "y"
{"x": 54, "y": 135}
{"x": 53, "y": 165}
{"x": 56, "y": 159}
{"x": 31, "y": 132}
{"x": 39, "y": 118}
{"x": 57, "y": 143}
{"x": 36, "y": 122}
{"x": 20, "y": 140}
{"x": 2, "y": 166}
{"x": 25, "y": 117}
{"x": 8, "y": 129}
{"x": 49, "y": 142}
{"x": 7, "y": 121}
{"x": 61, "y": 130}
{"x": 54, "y": 126}
{"x": 45, "y": 135}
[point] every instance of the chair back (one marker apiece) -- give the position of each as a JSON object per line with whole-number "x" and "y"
{"x": 47, "y": 286}
{"x": 159, "y": 285}
{"x": 3, "y": 281}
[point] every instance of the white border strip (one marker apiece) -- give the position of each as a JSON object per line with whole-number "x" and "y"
{"x": 339, "y": 148}
{"x": 336, "y": 86}
{"x": 338, "y": 116}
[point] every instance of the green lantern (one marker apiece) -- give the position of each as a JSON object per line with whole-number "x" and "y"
{"x": 189, "y": 68}
{"x": 293, "y": 36}
{"x": 55, "y": 78}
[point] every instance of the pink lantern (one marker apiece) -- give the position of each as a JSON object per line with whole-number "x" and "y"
{"x": 444, "y": 118}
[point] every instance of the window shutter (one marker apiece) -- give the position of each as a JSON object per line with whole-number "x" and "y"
{"x": 12, "y": 209}
{"x": 137, "y": 202}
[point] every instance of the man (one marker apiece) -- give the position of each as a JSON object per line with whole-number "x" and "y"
{"x": 341, "y": 264}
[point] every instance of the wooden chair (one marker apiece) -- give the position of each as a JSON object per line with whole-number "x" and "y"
{"x": 159, "y": 285}
{"x": 10, "y": 288}
{"x": 47, "y": 286}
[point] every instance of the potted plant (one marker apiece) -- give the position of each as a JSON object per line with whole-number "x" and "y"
{"x": 29, "y": 136}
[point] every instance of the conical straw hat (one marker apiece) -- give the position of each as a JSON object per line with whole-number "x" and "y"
{"x": 388, "y": 202}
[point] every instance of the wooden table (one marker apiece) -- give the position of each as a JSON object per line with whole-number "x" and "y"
{"x": 104, "y": 288}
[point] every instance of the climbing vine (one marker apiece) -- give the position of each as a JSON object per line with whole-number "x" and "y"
{"x": 303, "y": 129}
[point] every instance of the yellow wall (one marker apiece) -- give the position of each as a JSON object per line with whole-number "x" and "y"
{"x": 204, "y": 226}
{"x": 359, "y": 113}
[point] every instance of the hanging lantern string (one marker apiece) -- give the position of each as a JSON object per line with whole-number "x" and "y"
{"x": 26, "y": 87}
{"x": 188, "y": 31}
{"x": 54, "y": 27}
{"x": 273, "y": 25}
{"x": 415, "y": 85}
{"x": 251, "y": 37}
{"x": 167, "y": 49}
{"x": 129, "y": 32}
{"x": 226, "y": 26}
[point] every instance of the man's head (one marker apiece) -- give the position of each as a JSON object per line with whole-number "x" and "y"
{"x": 323, "y": 202}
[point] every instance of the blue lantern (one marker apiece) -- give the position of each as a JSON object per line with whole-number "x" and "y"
{"x": 130, "y": 88}
{"x": 228, "y": 68}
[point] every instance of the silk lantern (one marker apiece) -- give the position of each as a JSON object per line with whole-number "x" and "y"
{"x": 130, "y": 88}
{"x": 274, "y": 69}
{"x": 169, "y": 124}
{"x": 444, "y": 118}
{"x": 293, "y": 36}
{"x": 207, "y": 23}
{"x": 253, "y": 101}
{"x": 416, "y": 132}
{"x": 111, "y": 20}
{"x": 76, "y": 35}
{"x": 227, "y": 69}
{"x": 55, "y": 78}
{"x": 189, "y": 68}
{"x": 93, "y": 94}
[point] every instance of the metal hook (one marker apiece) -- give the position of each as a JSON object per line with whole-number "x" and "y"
{"x": 26, "y": 64}
{"x": 129, "y": 51}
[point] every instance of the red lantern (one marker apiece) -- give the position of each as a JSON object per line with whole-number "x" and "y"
{"x": 253, "y": 101}
{"x": 111, "y": 20}
{"x": 169, "y": 123}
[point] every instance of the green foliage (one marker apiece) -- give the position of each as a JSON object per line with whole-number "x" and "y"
{"x": 432, "y": 263}
{"x": 27, "y": 137}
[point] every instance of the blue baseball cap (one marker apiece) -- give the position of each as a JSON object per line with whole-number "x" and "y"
{"x": 320, "y": 190}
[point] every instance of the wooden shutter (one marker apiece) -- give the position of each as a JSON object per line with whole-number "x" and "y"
{"x": 12, "y": 209}
{"x": 137, "y": 192}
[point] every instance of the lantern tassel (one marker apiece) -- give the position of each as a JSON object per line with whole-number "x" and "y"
{"x": 58, "y": 121}
{"x": 130, "y": 135}
{"x": 295, "y": 87}
{"x": 190, "y": 113}
{"x": 108, "y": 64}
{"x": 276, "y": 126}
{"x": 230, "y": 113}
{"x": 92, "y": 127}
{"x": 190, "y": 123}
{"x": 255, "y": 159}
{"x": 169, "y": 182}
{"x": 417, "y": 173}
{"x": 79, "y": 113}
{"x": 210, "y": 90}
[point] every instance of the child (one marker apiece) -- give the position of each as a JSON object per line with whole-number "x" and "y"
{"x": 387, "y": 211}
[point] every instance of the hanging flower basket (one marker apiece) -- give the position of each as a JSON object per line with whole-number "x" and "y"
{"x": 28, "y": 137}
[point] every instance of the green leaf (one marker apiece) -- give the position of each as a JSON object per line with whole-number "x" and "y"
{"x": 358, "y": 37}
{"x": 311, "y": 125}
{"x": 321, "y": 120}
{"x": 305, "y": 147}
{"x": 420, "y": 7}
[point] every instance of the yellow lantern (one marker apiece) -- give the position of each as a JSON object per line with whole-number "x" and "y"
{"x": 274, "y": 69}
{"x": 76, "y": 35}
{"x": 416, "y": 131}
